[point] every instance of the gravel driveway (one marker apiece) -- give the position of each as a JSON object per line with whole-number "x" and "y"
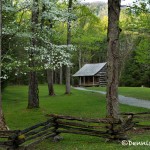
{"x": 123, "y": 99}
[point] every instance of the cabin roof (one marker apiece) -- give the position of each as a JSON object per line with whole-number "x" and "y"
{"x": 90, "y": 69}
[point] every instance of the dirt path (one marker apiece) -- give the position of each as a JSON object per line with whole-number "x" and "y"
{"x": 123, "y": 99}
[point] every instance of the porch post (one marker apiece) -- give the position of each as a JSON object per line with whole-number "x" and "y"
{"x": 80, "y": 81}
{"x": 93, "y": 80}
{"x": 84, "y": 79}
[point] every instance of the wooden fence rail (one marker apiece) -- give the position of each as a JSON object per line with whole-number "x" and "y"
{"x": 109, "y": 128}
{"x": 29, "y": 136}
{"x": 141, "y": 120}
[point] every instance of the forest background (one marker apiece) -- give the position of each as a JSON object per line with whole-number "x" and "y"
{"x": 89, "y": 23}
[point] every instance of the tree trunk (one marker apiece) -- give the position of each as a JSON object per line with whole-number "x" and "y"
{"x": 56, "y": 76}
{"x": 2, "y": 120}
{"x": 50, "y": 72}
{"x": 42, "y": 17}
{"x": 113, "y": 58}
{"x": 60, "y": 75}
{"x": 50, "y": 82}
{"x": 33, "y": 97}
{"x": 80, "y": 58}
{"x": 68, "y": 88}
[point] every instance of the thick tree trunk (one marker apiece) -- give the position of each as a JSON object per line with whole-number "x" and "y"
{"x": 113, "y": 58}
{"x": 2, "y": 120}
{"x": 68, "y": 87}
{"x": 50, "y": 82}
{"x": 33, "y": 97}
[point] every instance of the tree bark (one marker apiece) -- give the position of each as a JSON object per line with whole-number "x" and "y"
{"x": 33, "y": 95}
{"x": 50, "y": 72}
{"x": 68, "y": 87}
{"x": 80, "y": 58}
{"x": 50, "y": 82}
{"x": 56, "y": 77}
{"x": 113, "y": 58}
{"x": 42, "y": 18}
{"x": 2, "y": 120}
{"x": 60, "y": 76}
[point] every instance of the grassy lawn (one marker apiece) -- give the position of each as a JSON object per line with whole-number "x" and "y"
{"x": 79, "y": 103}
{"x": 136, "y": 92}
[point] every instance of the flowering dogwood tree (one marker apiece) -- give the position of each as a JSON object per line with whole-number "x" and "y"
{"x": 41, "y": 53}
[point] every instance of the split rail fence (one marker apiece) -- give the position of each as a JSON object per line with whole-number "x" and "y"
{"x": 109, "y": 128}
{"x": 141, "y": 120}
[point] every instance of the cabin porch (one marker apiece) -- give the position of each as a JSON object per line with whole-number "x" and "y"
{"x": 88, "y": 81}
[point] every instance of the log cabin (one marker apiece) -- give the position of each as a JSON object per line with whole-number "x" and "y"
{"x": 92, "y": 75}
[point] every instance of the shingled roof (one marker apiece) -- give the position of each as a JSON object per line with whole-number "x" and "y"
{"x": 89, "y": 69}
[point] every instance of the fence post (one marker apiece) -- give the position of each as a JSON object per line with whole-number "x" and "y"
{"x": 57, "y": 137}
{"x": 17, "y": 139}
{"x": 121, "y": 128}
{"x": 116, "y": 132}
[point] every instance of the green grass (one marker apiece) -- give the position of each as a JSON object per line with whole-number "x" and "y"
{"x": 136, "y": 92}
{"x": 79, "y": 103}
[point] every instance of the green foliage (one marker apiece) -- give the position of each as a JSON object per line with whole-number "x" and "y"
{"x": 17, "y": 36}
{"x": 136, "y": 22}
{"x": 143, "y": 52}
{"x": 141, "y": 6}
{"x": 89, "y": 36}
{"x": 135, "y": 74}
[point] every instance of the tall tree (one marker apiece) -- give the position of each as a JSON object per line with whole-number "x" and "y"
{"x": 113, "y": 58}
{"x": 2, "y": 120}
{"x": 33, "y": 97}
{"x": 68, "y": 88}
{"x": 50, "y": 72}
